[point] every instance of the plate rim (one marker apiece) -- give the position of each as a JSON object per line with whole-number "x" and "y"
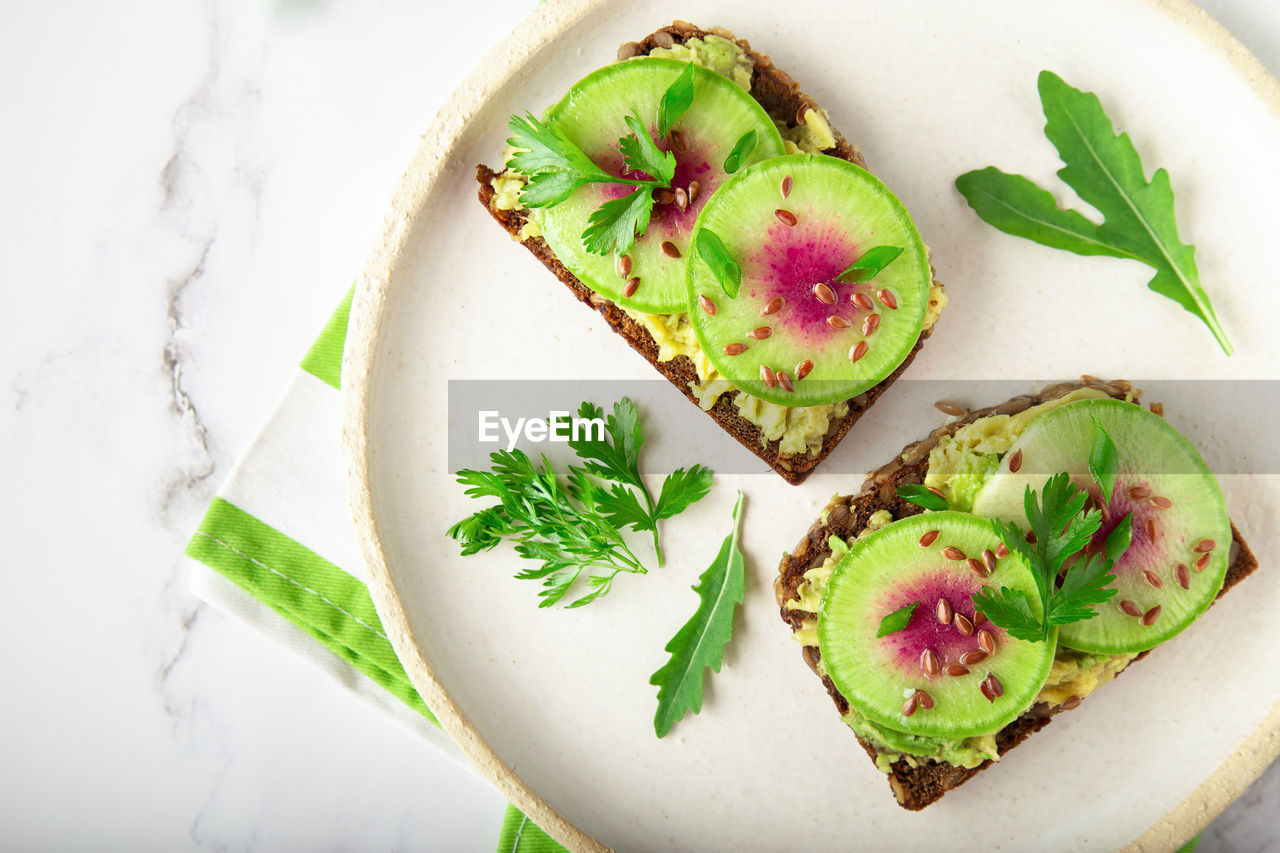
{"x": 435, "y": 148}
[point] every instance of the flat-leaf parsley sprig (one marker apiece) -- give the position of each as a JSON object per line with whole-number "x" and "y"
{"x": 1061, "y": 529}
{"x": 575, "y": 526}
{"x": 556, "y": 167}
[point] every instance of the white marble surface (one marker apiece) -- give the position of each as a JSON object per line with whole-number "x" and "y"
{"x": 188, "y": 189}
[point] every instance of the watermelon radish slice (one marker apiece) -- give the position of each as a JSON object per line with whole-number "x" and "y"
{"x": 948, "y": 673}
{"x": 793, "y": 334}
{"x": 1178, "y": 555}
{"x": 592, "y": 115}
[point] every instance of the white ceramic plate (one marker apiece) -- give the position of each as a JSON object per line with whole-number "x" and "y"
{"x": 555, "y": 706}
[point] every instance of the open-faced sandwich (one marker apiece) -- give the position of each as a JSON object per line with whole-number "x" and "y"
{"x": 706, "y": 208}
{"x": 1002, "y": 569}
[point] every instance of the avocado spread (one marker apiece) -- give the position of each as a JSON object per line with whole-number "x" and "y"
{"x": 958, "y": 465}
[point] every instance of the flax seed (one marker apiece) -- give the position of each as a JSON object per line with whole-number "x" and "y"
{"x": 945, "y": 613}
{"x": 996, "y": 687}
{"x": 1201, "y": 563}
{"x": 671, "y": 250}
{"x": 870, "y": 324}
{"x": 963, "y": 625}
{"x": 989, "y": 560}
{"x": 929, "y": 662}
{"x": 929, "y": 538}
{"x": 1157, "y": 409}
{"x": 926, "y": 701}
{"x": 786, "y": 217}
{"x": 909, "y": 707}
{"x": 1150, "y": 617}
{"x": 824, "y": 293}
{"x": 767, "y": 376}
{"x": 1152, "y": 579}
{"x": 760, "y": 332}
{"x": 735, "y": 349}
{"x": 707, "y": 305}
{"x": 947, "y": 407}
{"x": 835, "y": 321}
{"x": 695, "y": 187}
{"x": 786, "y": 186}
{"x": 1002, "y": 551}
{"x": 624, "y": 267}
{"x": 887, "y": 298}
{"x": 951, "y": 552}
{"x": 784, "y": 379}
{"x": 976, "y": 567}
{"x": 1071, "y": 703}
{"x": 986, "y": 691}
{"x": 1204, "y": 546}
{"x": 678, "y": 141}
{"x": 987, "y": 642}
{"x": 629, "y": 289}
{"x": 664, "y": 196}
{"x": 955, "y": 670}
{"x": 1161, "y": 501}
{"x": 772, "y": 306}
{"x": 1015, "y": 461}
{"x": 1184, "y": 576}
{"x": 1130, "y": 608}
{"x": 1139, "y": 493}
{"x": 803, "y": 369}
{"x": 862, "y": 300}
{"x": 857, "y": 351}
{"x": 681, "y": 199}
{"x": 973, "y": 657}
{"x": 1153, "y": 529}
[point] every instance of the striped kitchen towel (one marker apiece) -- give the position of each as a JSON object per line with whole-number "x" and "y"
{"x": 277, "y": 548}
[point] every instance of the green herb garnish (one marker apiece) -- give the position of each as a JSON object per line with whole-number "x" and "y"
{"x": 576, "y": 526}
{"x": 1104, "y": 461}
{"x": 555, "y": 167}
{"x": 1062, "y": 528}
{"x": 675, "y": 101}
{"x": 716, "y": 255}
{"x": 869, "y": 265}
{"x": 700, "y": 643}
{"x": 1106, "y": 172}
{"x": 923, "y": 496}
{"x": 741, "y": 151}
{"x": 897, "y": 620}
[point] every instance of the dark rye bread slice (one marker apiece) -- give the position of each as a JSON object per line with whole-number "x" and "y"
{"x": 782, "y": 100}
{"x": 846, "y": 515}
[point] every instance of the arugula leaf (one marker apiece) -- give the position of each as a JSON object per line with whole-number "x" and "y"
{"x": 675, "y": 101}
{"x": 897, "y": 620}
{"x": 870, "y": 264}
{"x": 641, "y": 154}
{"x": 1104, "y": 460}
{"x": 716, "y": 255}
{"x": 574, "y": 530}
{"x": 922, "y": 496}
{"x": 699, "y": 644}
{"x": 614, "y": 225}
{"x": 1106, "y": 172}
{"x": 741, "y": 151}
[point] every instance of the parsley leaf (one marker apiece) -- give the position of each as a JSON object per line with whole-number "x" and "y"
{"x": 1106, "y": 172}
{"x": 641, "y": 154}
{"x": 712, "y": 250}
{"x": 675, "y": 101}
{"x": 922, "y": 496}
{"x": 741, "y": 151}
{"x": 555, "y": 166}
{"x": 1104, "y": 460}
{"x": 574, "y": 529}
{"x": 614, "y": 225}
{"x": 699, "y": 644}
{"x": 870, "y": 264}
{"x": 897, "y": 620}
{"x": 1062, "y": 528}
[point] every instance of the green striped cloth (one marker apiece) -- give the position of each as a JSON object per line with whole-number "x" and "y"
{"x": 278, "y": 549}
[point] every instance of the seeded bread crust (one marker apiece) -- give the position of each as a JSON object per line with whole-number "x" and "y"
{"x": 846, "y": 515}
{"x": 781, "y": 98}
